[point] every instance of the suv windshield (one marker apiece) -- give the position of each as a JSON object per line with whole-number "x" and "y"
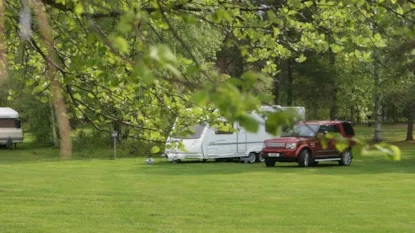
{"x": 301, "y": 130}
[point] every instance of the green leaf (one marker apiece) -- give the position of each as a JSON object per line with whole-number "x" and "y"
{"x": 192, "y": 69}
{"x": 395, "y": 153}
{"x": 341, "y": 145}
{"x": 271, "y": 15}
{"x": 155, "y": 149}
{"x": 44, "y": 99}
{"x": 308, "y": 3}
{"x": 330, "y": 135}
{"x": 166, "y": 54}
{"x": 358, "y": 53}
{"x": 301, "y": 59}
{"x": 185, "y": 133}
{"x": 291, "y": 12}
{"x": 359, "y": 140}
{"x": 249, "y": 76}
{"x": 90, "y": 95}
{"x": 190, "y": 19}
{"x": 391, "y": 152}
{"x": 399, "y": 11}
{"x": 124, "y": 26}
{"x": 248, "y": 122}
{"x": 323, "y": 140}
{"x": 174, "y": 70}
{"x": 37, "y": 89}
{"x": 276, "y": 120}
{"x": 121, "y": 44}
{"x": 276, "y": 31}
{"x": 265, "y": 97}
{"x": 200, "y": 98}
{"x": 181, "y": 147}
{"x": 76, "y": 96}
{"x": 357, "y": 151}
{"x": 79, "y": 9}
{"x": 236, "y": 82}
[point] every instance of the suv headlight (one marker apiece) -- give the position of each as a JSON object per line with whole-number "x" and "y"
{"x": 292, "y": 145}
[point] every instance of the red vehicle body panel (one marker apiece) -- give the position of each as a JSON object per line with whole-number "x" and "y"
{"x": 313, "y": 144}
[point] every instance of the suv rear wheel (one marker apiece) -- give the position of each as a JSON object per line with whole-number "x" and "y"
{"x": 346, "y": 158}
{"x": 304, "y": 158}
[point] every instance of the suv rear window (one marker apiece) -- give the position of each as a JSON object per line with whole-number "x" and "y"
{"x": 334, "y": 128}
{"x": 348, "y": 129}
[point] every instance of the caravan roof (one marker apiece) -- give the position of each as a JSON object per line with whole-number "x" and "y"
{"x": 6, "y": 112}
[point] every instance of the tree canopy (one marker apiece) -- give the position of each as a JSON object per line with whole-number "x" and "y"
{"x": 138, "y": 65}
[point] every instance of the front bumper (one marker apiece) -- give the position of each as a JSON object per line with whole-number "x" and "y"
{"x": 285, "y": 155}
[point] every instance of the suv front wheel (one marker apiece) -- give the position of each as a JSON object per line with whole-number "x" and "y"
{"x": 269, "y": 162}
{"x": 304, "y": 159}
{"x": 346, "y": 158}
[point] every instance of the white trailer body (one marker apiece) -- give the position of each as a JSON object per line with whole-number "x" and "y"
{"x": 209, "y": 143}
{"x": 10, "y": 127}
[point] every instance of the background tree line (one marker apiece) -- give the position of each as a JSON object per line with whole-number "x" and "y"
{"x": 134, "y": 66}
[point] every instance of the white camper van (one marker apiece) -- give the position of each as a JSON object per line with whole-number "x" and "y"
{"x": 209, "y": 143}
{"x": 10, "y": 130}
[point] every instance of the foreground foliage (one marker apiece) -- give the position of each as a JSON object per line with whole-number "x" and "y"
{"x": 137, "y": 65}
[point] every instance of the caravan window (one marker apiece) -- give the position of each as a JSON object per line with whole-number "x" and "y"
{"x": 8, "y": 123}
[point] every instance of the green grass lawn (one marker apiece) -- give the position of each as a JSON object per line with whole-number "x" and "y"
{"x": 38, "y": 193}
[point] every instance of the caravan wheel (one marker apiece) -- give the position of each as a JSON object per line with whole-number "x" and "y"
{"x": 252, "y": 157}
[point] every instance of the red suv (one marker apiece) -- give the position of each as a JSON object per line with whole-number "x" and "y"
{"x": 302, "y": 144}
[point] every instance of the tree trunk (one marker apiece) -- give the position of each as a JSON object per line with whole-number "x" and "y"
{"x": 394, "y": 113}
{"x": 315, "y": 110}
{"x": 53, "y": 120}
{"x": 409, "y": 132}
{"x": 277, "y": 85}
{"x": 333, "y": 105}
{"x": 58, "y": 100}
{"x": 289, "y": 83}
{"x": 377, "y": 137}
{"x": 4, "y": 73}
{"x": 276, "y": 89}
{"x": 334, "y": 89}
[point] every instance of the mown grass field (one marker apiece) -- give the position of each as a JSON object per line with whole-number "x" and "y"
{"x": 39, "y": 193}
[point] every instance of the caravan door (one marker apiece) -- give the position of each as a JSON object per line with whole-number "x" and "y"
{"x": 241, "y": 138}
{"x": 221, "y": 144}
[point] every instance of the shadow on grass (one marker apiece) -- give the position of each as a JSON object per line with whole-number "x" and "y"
{"x": 25, "y": 154}
{"x": 33, "y": 153}
{"x": 371, "y": 164}
{"x": 368, "y": 165}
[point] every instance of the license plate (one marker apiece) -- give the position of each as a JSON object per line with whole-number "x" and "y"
{"x": 273, "y": 154}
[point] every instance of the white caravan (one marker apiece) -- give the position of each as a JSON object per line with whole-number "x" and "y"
{"x": 10, "y": 130}
{"x": 209, "y": 143}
